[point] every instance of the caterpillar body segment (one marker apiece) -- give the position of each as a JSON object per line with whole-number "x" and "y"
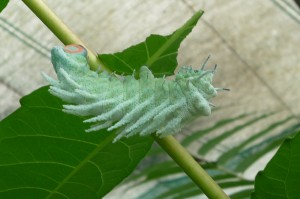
{"x": 133, "y": 106}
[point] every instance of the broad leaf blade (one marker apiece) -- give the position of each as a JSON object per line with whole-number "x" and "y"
{"x": 45, "y": 153}
{"x": 281, "y": 177}
{"x": 158, "y": 52}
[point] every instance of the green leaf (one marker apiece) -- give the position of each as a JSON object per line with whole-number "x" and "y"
{"x": 281, "y": 177}
{"x": 45, "y": 153}
{"x": 3, "y": 4}
{"x": 158, "y": 52}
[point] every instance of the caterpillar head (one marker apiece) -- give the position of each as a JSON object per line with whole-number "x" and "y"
{"x": 198, "y": 89}
{"x": 200, "y": 79}
{"x": 71, "y": 58}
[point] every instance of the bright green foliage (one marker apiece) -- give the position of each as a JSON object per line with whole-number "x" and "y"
{"x": 45, "y": 153}
{"x": 3, "y": 4}
{"x": 281, "y": 177}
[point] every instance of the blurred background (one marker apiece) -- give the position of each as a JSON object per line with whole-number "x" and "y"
{"x": 255, "y": 44}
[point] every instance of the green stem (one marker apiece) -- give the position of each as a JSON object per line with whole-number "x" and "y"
{"x": 59, "y": 29}
{"x": 177, "y": 152}
{"x": 169, "y": 143}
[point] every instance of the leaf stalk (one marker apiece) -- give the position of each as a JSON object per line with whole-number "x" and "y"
{"x": 200, "y": 177}
{"x": 60, "y": 29}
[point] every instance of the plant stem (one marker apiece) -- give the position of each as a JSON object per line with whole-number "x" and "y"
{"x": 169, "y": 143}
{"x": 178, "y": 153}
{"x": 59, "y": 29}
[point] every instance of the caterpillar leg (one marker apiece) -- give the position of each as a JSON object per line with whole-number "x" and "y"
{"x": 52, "y": 81}
{"x": 137, "y": 126}
{"x": 175, "y": 124}
{"x": 63, "y": 94}
{"x": 132, "y": 114}
{"x": 85, "y": 94}
{"x": 67, "y": 79}
{"x": 168, "y": 110}
{"x": 159, "y": 120}
{"x": 108, "y": 115}
{"x": 93, "y": 108}
{"x": 99, "y": 126}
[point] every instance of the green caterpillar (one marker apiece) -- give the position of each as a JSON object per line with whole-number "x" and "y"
{"x": 132, "y": 106}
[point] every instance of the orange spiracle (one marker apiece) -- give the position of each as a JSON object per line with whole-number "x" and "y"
{"x": 74, "y": 49}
